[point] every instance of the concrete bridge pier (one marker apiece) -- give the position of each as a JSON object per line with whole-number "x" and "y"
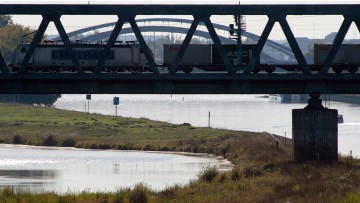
{"x": 315, "y": 132}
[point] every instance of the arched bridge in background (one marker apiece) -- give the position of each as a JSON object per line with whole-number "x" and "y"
{"x": 181, "y": 30}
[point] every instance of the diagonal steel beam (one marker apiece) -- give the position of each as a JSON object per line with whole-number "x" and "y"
{"x": 260, "y": 45}
{"x": 3, "y": 67}
{"x": 357, "y": 23}
{"x": 37, "y": 38}
{"x": 118, "y": 26}
{"x": 229, "y": 67}
{"x": 143, "y": 45}
{"x": 293, "y": 44}
{"x": 65, "y": 39}
{"x": 336, "y": 44}
{"x": 184, "y": 45}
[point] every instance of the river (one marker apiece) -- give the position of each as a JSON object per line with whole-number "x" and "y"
{"x": 236, "y": 112}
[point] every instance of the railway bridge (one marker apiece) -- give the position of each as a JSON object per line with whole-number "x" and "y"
{"x": 315, "y": 133}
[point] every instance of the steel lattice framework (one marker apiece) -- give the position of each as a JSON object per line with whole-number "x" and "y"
{"x": 232, "y": 82}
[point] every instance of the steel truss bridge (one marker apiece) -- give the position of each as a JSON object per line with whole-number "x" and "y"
{"x": 234, "y": 80}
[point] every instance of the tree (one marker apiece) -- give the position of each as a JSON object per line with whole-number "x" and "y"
{"x": 14, "y": 34}
{"x": 5, "y": 20}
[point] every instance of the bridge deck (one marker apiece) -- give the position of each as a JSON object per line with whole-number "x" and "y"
{"x": 204, "y": 83}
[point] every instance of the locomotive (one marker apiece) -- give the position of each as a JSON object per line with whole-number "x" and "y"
{"x": 55, "y": 57}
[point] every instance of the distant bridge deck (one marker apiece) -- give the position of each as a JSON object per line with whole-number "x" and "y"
{"x": 204, "y": 83}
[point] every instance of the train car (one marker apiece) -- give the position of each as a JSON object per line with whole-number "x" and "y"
{"x": 196, "y": 55}
{"x": 347, "y": 57}
{"x": 55, "y": 58}
{"x": 206, "y": 56}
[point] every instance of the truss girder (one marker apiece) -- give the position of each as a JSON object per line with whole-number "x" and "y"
{"x": 114, "y": 34}
{"x": 3, "y": 67}
{"x": 184, "y": 46}
{"x": 65, "y": 39}
{"x": 217, "y": 42}
{"x": 339, "y": 38}
{"x": 293, "y": 44}
{"x": 37, "y": 38}
{"x": 143, "y": 45}
{"x": 134, "y": 9}
{"x": 260, "y": 45}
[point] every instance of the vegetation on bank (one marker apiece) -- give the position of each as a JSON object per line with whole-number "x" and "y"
{"x": 262, "y": 172}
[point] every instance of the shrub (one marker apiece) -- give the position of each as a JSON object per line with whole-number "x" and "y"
{"x": 235, "y": 176}
{"x": 138, "y": 194}
{"x": 104, "y": 146}
{"x": 17, "y": 139}
{"x": 251, "y": 172}
{"x": 270, "y": 167}
{"x": 148, "y": 148}
{"x": 119, "y": 196}
{"x": 222, "y": 177}
{"x": 69, "y": 142}
{"x": 208, "y": 174}
{"x": 170, "y": 192}
{"x": 7, "y": 192}
{"x": 94, "y": 146}
{"x": 50, "y": 140}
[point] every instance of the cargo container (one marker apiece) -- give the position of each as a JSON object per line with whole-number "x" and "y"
{"x": 206, "y": 56}
{"x": 347, "y": 58}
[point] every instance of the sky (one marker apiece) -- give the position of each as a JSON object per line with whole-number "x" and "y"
{"x": 303, "y": 26}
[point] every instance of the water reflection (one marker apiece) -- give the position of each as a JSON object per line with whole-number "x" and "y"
{"x": 28, "y": 174}
{"x": 64, "y": 170}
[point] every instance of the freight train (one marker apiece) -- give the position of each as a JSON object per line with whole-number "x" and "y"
{"x": 130, "y": 57}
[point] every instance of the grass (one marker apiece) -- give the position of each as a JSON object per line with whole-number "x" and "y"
{"x": 262, "y": 173}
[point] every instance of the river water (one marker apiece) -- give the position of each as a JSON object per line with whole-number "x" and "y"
{"x": 236, "y": 112}
{"x": 44, "y": 169}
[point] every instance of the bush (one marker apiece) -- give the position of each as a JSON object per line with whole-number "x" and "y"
{"x": 94, "y": 146}
{"x": 235, "y": 176}
{"x": 7, "y": 192}
{"x": 17, "y": 139}
{"x": 251, "y": 172}
{"x": 138, "y": 194}
{"x": 104, "y": 146}
{"x": 119, "y": 196}
{"x": 69, "y": 142}
{"x": 208, "y": 174}
{"x": 148, "y": 148}
{"x": 50, "y": 141}
{"x": 222, "y": 177}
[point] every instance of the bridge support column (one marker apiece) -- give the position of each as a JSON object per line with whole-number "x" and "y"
{"x": 315, "y": 132}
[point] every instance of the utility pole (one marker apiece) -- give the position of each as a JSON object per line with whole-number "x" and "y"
{"x": 239, "y": 41}
{"x": 237, "y": 32}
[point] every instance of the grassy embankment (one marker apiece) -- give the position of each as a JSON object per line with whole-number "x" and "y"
{"x": 262, "y": 173}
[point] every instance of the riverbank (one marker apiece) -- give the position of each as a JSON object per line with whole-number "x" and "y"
{"x": 262, "y": 172}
